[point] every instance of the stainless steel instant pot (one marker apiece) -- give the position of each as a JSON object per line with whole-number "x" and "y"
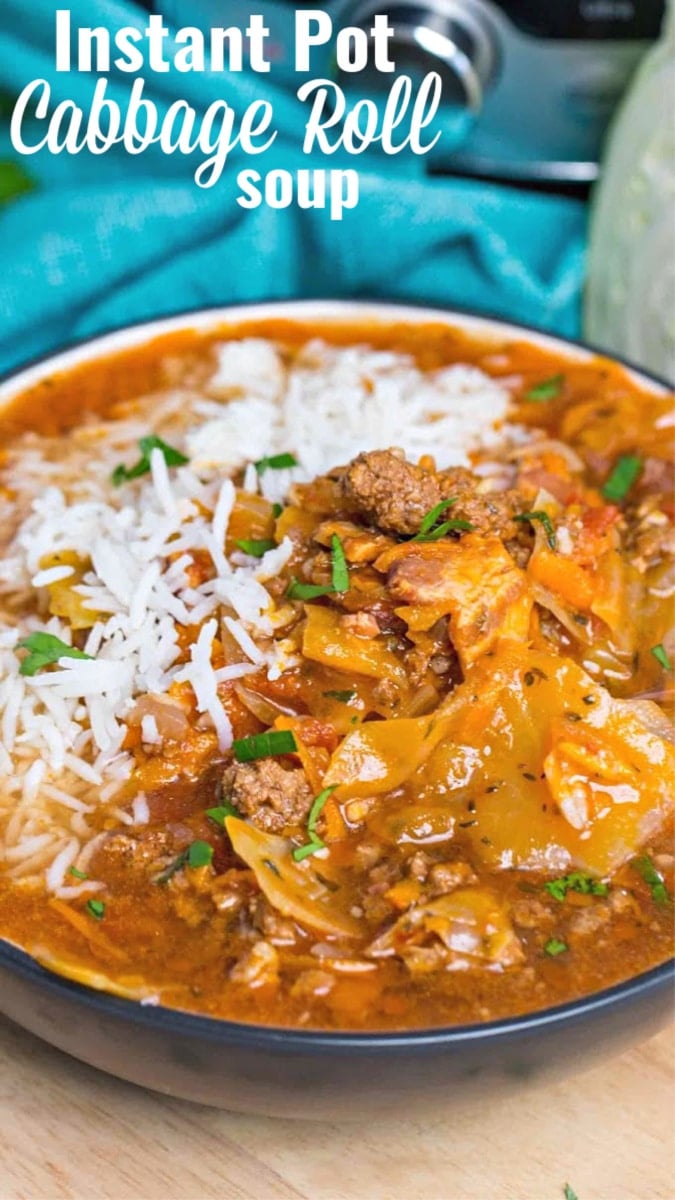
{"x": 529, "y": 85}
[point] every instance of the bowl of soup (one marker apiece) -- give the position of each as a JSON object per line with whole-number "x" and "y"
{"x": 336, "y": 753}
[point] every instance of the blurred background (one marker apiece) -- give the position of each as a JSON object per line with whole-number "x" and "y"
{"x": 548, "y": 198}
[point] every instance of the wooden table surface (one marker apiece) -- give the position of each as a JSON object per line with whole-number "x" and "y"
{"x": 68, "y": 1132}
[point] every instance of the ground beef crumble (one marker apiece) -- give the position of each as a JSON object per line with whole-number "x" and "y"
{"x": 390, "y": 492}
{"x": 395, "y": 496}
{"x": 272, "y": 796}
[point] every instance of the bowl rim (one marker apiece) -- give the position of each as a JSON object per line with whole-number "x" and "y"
{"x": 160, "y": 1018}
{"x": 220, "y": 1031}
{"x": 201, "y": 318}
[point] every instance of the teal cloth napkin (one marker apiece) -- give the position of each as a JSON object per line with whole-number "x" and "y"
{"x": 102, "y": 241}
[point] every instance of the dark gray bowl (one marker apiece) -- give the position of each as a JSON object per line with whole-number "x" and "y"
{"x": 328, "y": 1076}
{"x": 291, "y": 1073}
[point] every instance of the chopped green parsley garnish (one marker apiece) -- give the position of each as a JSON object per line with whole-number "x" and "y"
{"x": 146, "y": 445}
{"x": 77, "y": 874}
{"x": 96, "y": 909}
{"x": 548, "y": 389}
{"x": 297, "y": 590}
{"x": 661, "y": 655}
{"x": 570, "y": 1194}
{"x": 199, "y": 854}
{"x": 314, "y": 842}
{"x": 431, "y": 531}
{"x": 256, "y": 547}
{"x": 317, "y": 808}
{"x": 45, "y": 650}
{"x": 433, "y": 515}
{"x": 307, "y": 591}
{"x": 276, "y": 462}
{"x": 575, "y": 882}
{"x": 343, "y": 697}
{"x": 618, "y": 484}
{"x": 264, "y": 745}
{"x": 554, "y": 947}
{"x": 177, "y": 865}
{"x": 339, "y": 568}
{"x": 311, "y": 847}
{"x": 544, "y": 520}
{"x": 221, "y": 811}
{"x": 277, "y": 510}
{"x": 456, "y": 525}
{"x": 654, "y": 879}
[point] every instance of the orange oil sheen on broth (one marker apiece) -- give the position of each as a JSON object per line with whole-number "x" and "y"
{"x": 190, "y": 940}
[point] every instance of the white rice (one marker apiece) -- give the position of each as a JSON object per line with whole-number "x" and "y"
{"x": 62, "y": 731}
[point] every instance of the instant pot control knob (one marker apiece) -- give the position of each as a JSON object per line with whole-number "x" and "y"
{"x": 454, "y": 37}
